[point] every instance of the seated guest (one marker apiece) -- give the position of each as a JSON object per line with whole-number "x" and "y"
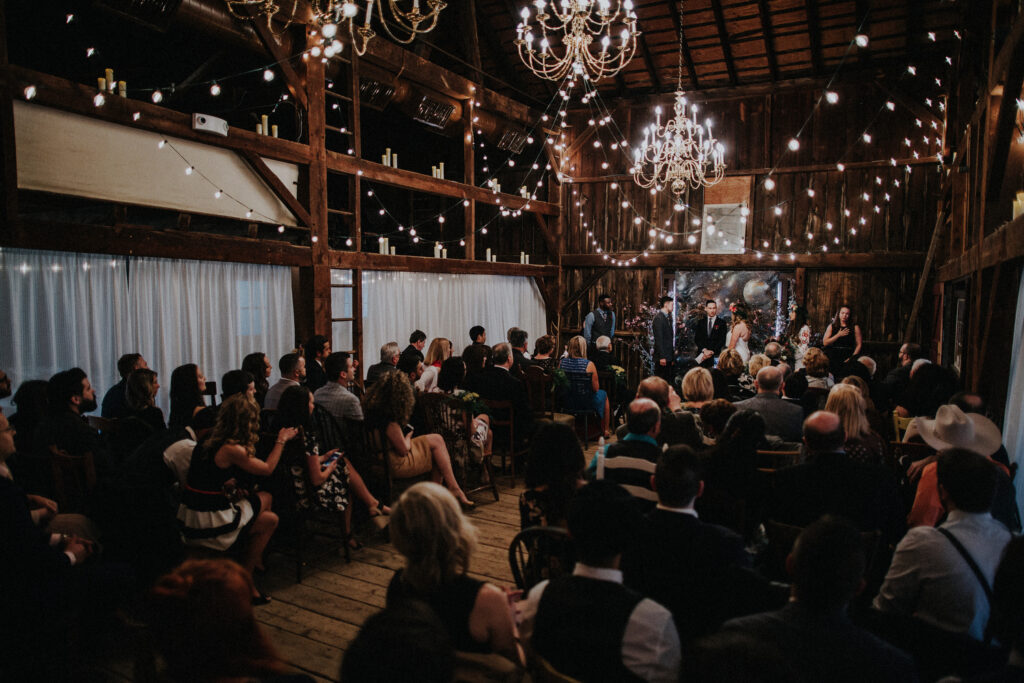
{"x": 931, "y": 577}
{"x": 411, "y": 366}
{"x": 714, "y": 415}
{"x": 70, "y": 397}
{"x": 388, "y": 361}
{"x": 215, "y": 511}
{"x": 930, "y": 386}
{"x": 439, "y": 351}
{"x": 686, "y": 562}
{"x": 417, "y": 340}
{"x": 814, "y": 632}
{"x": 758, "y": 361}
{"x": 388, "y": 406}
{"x": 203, "y": 626}
{"x": 862, "y": 443}
{"x": 951, "y": 428}
{"x": 517, "y": 339}
{"x": 258, "y": 365}
{"x": 1007, "y": 621}
{"x": 542, "y": 350}
{"x": 31, "y": 401}
{"x": 731, "y": 476}
{"x": 477, "y": 334}
{"x": 698, "y": 389}
{"x": 334, "y": 397}
{"x": 496, "y": 383}
{"x": 5, "y": 385}
{"x": 781, "y": 419}
{"x": 819, "y": 381}
{"x": 438, "y": 542}
{"x": 630, "y": 462}
{"x": 794, "y": 388}
{"x": 730, "y": 364}
{"x": 577, "y": 362}
{"x": 316, "y": 351}
{"x": 829, "y": 482}
{"x": 235, "y": 382}
{"x": 449, "y": 381}
{"x": 115, "y": 400}
{"x": 603, "y": 358}
{"x": 677, "y": 426}
{"x": 880, "y": 424}
{"x": 476, "y": 358}
{"x": 320, "y": 481}
{"x": 403, "y": 643}
{"x": 451, "y": 376}
{"x": 897, "y": 379}
{"x": 554, "y": 470}
{"x": 187, "y": 386}
{"x": 292, "y": 367}
{"x": 773, "y": 351}
{"x": 589, "y": 626}
{"x": 141, "y": 399}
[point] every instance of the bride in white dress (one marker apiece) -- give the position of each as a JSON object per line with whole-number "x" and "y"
{"x": 739, "y": 334}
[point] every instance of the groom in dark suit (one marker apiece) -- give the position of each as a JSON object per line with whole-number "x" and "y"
{"x": 664, "y": 348}
{"x": 709, "y": 335}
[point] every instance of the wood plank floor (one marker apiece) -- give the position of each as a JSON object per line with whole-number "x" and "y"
{"x": 311, "y": 623}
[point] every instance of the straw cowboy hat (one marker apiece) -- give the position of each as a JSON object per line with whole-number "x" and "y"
{"x": 953, "y": 428}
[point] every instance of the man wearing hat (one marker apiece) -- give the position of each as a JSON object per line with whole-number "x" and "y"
{"x": 951, "y": 428}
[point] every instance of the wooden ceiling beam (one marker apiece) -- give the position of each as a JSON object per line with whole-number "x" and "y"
{"x": 685, "y": 260}
{"x": 296, "y": 86}
{"x": 1006, "y": 118}
{"x": 428, "y": 264}
{"x": 677, "y": 21}
{"x": 500, "y": 57}
{"x": 584, "y": 288}
{"x": 651, "y": 70}
{"x": 814, "y": 35}
{"x": 1005, "y": 244}
{"x": 723, "y": 37}
{"x": 260, "y": 168}
{"x": 769, "y": 41}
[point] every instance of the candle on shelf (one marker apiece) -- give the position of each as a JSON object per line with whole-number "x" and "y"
{"x": 444, "y": 252}
{"x": 527, "y": 259}
{"x": 273, "y": 130}
{"x": 387, "y": 245}
{"x": 488, "y": 253}
{"x": 437, "y": 250}
{"x": 433, "y": 171}
{"x": 494, "y": 259}
{"x": 392, "y": 251}
{"x": 265, "y": 120}
{"x": 122, "y": 89}
{"x": 109, "y": 73}
{"x": 522, "y": 258}
{"x": 384, "y": 159}
{"x": 387, "y": 156}
{"x": 259, "y": 129}
{"x": 101, "y": 83}
{"x": 394, "y": 161}
{"x": 440, "y": 170}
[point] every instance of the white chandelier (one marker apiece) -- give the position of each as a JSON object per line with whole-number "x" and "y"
{"x": 585, "y": 36}
{"x": 408, "y": 23}
{"x": 681, "y": 154}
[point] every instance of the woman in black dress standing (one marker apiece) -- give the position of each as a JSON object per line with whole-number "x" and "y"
{"x": 842, "y": 340}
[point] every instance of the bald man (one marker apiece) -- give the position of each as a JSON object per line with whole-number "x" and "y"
{"x": 828, "y": 482}
{"x": 782, "y": 419}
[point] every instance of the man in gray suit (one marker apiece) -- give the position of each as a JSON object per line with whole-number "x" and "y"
{"x": 782, "y": 419}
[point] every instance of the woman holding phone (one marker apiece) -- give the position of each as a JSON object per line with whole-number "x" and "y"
{"x": 322, "y": 478}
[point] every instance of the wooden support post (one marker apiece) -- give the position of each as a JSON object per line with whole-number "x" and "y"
{"x": 8, "y": 156}
{"x": 922, "y": 284}
{"x": 356, "y": 183}
{"x": 291, "y": 79}
{"x": 469, "y": 178}
{"x": 981, "y": 350}
{"x": 318, "y": 197}
{"x": 260, "y": 168}
{"x": 357, "y": 321}
{"x": 800, "y": 286}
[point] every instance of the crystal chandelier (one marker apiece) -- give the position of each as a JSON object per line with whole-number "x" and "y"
{"x": 267, "y": 9}
{"x": 681, "y": 154}
{"x": 407, "y": 23}
{"x": 585, "y": 36}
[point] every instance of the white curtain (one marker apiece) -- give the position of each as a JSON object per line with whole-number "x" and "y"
{"x": 1013, "y": 418}
{"x": 208, "y": 313}
{"x": 63, "y": 310}
{"x": 395, "y": 304}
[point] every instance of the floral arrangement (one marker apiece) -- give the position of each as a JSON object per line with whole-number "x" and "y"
{"x": 559, "y": 380}
{"x": 620, "y": 376}
{"x": 473, "y": 403}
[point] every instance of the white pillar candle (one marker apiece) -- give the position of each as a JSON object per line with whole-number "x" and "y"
{"x": 259, "y": 129}
{"x": 109, "y": 73}
{"x": 488, "y": 253}
{"x": 433, "y": 171}
{"x": 265, "y": 120}
{"x": 522, "y": 258}
{"x": 392, "y": 251}
{"x": 387, "y": 156}
{"x": 394, "y": 161}
{"x": 122, "y": 89}
{"x": 440, "y": 170}
{"x": 444, "y": 252}
{"x": 527, "y": 259}
{"x": 101, "y": 83}
{"x": 437, "y": 250}
{"x": 273, "y": 130}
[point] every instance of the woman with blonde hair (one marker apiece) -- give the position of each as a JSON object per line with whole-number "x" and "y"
{"x": 862, "y": 443}
{"x": 437, "y": 541}
{"x": 215, "y": 511}
{"x": 732, "y": 367}
{"x": 698, "y": 389}
{"x": 438, "y": 352}
{"x": 577, "y": 361}
{"x": 388, "y": 406}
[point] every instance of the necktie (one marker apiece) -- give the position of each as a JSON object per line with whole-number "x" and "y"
{"x": 711, "y": 321}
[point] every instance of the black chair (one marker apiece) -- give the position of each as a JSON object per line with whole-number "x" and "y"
{"x": 450, "y": 418}
{"x": 368, "y": 451}
{"x": 503, "y": 424}
{"x": 578, "y": 400}
{"x": 211, "y": 391}
{"x": 539, "y": 553}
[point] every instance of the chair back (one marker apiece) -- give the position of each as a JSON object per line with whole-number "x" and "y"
{"x": 367, "y": 450}
{"x": 211, "y": 391}
{"x": 579, "y": 395}
{"x": 782, "y": 538}
{"x": 449, "y": 418}
{"x": 538, "y": 389}
{"x": 900, "y": 425}
{"x": 539, "y": 553}
{"x": 105, "y": 426}
{"x": 775, "y": 460}
{"x": 74, "y": 478}
{"x": 907, "y": 452}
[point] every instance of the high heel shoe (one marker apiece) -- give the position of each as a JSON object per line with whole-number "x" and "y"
{"x": 260, "y": 599}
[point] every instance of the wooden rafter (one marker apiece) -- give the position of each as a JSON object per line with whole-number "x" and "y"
{"x": 500, "y": 57}
{"x": 649, "y": 61}
{"x": 723, "y": 37}
{"x": 471, "y": 38}
{"x": 583, "y": 288}
{"x": 814, "y": 34}
{"x": 1002, "y": 137}
{"x": 677, "y": 21}
{"x": 877, "y": 261}
{"x": 769, "y": 40}
{"x": 919, "y": 110}
{"x": 291, "y": 79}
{"x": 260, "y": 168}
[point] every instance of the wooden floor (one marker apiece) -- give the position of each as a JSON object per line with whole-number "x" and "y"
{"x": 311, "y": 623}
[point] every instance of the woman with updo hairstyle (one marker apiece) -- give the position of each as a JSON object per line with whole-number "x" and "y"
{"x": 257, "y": 365}
{"x": 187, "y": 399}
{"x": 698, "y": 389}
{"x": 437, "y": 541}
{"x": 388, "y": 405}
{"x": 202, "y": 622}
{"x": 216, "y": 512}
{"x": 862, "y": 443}
{"x": 542, "y": 350}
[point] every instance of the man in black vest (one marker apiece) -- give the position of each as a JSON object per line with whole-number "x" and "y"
{"x": 600, "y": 322}
{"x": 664, "y": 349}
{"x": 709, "y": 334}
{"x": 589, "y": 626}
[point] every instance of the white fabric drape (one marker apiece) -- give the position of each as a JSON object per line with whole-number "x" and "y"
{"x": 395, "y": 304}
{"x": 64, "y": 310}
{"x": 61, "y": 310}
{"x": 210, "y": 314}
{"x": 1013, "y": 418}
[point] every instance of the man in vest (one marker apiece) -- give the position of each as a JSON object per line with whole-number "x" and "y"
{"x": 589, "y": 626}
{"x": 600, "y": 322}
